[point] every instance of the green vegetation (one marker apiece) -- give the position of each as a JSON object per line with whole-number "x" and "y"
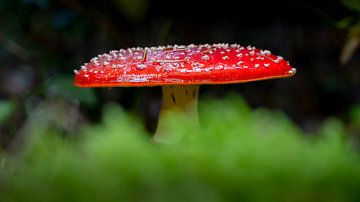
{"x": 6, "y": 108}
{"x": 238, "y": 154}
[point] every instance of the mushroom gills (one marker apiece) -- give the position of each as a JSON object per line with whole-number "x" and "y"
{"x": 180, "y": 101}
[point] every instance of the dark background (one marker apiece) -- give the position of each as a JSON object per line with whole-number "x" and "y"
{"x": 43, "y": 41}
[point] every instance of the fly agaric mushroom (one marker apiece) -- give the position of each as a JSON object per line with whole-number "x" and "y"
{"x": 180, "y": 70}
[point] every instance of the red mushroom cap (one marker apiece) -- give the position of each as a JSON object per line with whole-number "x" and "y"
{"x": 185, "y": 65}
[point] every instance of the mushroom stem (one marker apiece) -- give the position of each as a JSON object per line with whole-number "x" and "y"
{"x": 182, "y": 101}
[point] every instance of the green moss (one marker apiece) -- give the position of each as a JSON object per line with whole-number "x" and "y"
{"x": 237, "y": 155}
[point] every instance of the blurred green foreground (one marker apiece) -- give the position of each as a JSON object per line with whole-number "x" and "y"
{"x": 237, "y": 155}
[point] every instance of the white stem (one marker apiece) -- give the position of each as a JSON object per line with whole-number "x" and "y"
{"x": 181, "y": 100}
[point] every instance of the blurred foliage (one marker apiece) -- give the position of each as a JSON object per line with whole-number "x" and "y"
{"x": 354, "y": 126}
{"x": 6, "y": 109}
{"x": 133, "y": 9}
{"x": 352, "y": 4}
{"x": 62, "y": 87}
{"x": 351, "y": 23}
{"x": 355, "y": 114}
{"x": 237, "y": 155}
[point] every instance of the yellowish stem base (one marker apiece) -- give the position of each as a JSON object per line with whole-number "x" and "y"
{"x": 178, "y": 100}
